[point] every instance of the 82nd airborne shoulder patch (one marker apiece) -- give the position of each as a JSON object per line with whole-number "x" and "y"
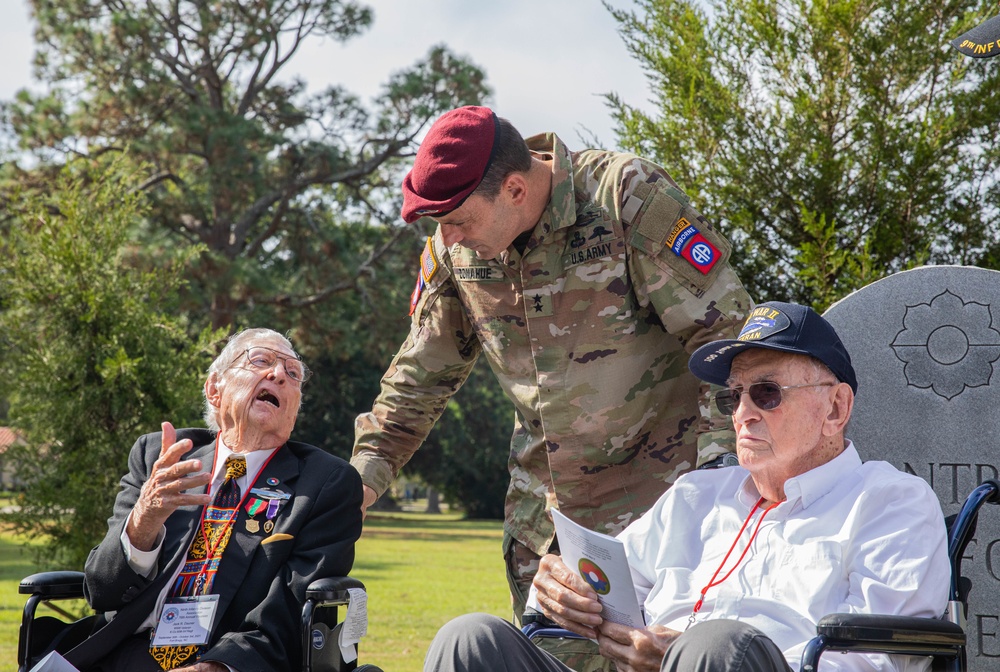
{"x": 688, "y": 243}
{"x": 428, "y": 267}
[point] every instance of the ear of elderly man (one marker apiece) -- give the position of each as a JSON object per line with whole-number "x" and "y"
{"x": 735, "y": 566}
{"x": 228, "y": 524}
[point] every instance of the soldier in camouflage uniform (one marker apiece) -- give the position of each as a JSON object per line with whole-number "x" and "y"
{"x": 585, "y": 279}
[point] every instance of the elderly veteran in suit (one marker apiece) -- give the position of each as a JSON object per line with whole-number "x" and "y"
{"x": 227, "y": 525}
{"x": 734, "y": 567}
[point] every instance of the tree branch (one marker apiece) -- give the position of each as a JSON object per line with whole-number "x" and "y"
{"x": 158, "y": 178}
{"x": 366, "y": 268}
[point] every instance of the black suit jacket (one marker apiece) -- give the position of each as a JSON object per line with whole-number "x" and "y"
{"x": 261, "y": 586}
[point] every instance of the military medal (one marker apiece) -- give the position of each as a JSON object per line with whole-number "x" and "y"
{"x": 253, "y": 507}
{"x": 272, "y": 511}
{"x": 274, "y": 498}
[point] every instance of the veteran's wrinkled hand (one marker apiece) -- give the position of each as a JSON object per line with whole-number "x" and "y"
{"x": 204, "y": 667}
{"x": 635, "y": 649}
{"x": 164, "y": 492}
{"x": 566, "y": 598}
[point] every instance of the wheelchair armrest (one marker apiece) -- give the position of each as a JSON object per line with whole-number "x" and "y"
{"x": 328, "y": 592}
{"x": 877, "y": 633}
{"x": 332, "y": 590}
{"x": 53, "y": 585}
{"x": 41, "y": 588}
{"x": 536, "y": 625}
{"x": 535, "y": 631}
{"x": 877, "y": 627}
{"x": 537, "y": 619}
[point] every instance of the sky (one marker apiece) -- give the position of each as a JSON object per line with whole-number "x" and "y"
{"x": 549, "y": 62}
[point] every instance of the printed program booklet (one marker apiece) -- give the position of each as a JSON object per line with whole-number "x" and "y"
{"x": 600, "y": 560}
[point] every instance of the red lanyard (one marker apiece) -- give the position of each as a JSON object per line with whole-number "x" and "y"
{"x": 712, "y": 582}
{"x": 210, "y": 552}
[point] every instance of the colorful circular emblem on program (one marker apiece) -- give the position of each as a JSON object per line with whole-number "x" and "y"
{"x": 595, "y": 576}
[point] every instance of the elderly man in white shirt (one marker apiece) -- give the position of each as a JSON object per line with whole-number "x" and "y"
{"x": 734, "y": 567}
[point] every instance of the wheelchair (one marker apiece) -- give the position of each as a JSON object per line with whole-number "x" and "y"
{"x": 320, "y": 626}
{"x": 941, "y": 639}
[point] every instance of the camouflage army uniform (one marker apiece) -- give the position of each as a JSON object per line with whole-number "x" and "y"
{"x": 589, "y": 333}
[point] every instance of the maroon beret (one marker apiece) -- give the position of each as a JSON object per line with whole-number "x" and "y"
{"x": 450, "y": 163}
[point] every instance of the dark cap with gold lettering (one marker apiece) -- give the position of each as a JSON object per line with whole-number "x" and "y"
{"x": 776, "y": 325}
{"x": 983, "y": 41}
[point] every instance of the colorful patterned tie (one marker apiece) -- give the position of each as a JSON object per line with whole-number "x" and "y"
{"x": 198, "y": 572}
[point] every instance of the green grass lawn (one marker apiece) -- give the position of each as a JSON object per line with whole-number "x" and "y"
{"x": 15, "y": 564}
{"x": 420, "y": 570}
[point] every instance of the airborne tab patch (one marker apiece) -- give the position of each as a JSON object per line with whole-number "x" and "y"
{"x": 687, "y": 242}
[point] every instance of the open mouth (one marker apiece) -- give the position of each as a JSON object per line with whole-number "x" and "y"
{"x": 269, "y": 398}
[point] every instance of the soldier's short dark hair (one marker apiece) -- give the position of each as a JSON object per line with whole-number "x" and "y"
{"x": 510, "y": 155}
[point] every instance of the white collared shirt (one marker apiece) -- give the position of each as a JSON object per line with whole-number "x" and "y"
{"x": 849, "y": 537}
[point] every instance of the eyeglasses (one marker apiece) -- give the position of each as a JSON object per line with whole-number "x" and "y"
{"x": 262, "y": 358}
{"x": 766, "y": 396}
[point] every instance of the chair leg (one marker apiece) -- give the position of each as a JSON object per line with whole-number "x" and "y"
{"x": 25, "y": 632}
{"x": 308, "y": 609}
{"x": 811, "y": 654}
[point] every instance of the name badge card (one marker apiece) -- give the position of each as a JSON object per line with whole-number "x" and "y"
{"x": 186, "y": 620}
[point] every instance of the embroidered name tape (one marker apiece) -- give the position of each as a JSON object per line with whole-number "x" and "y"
{"x": 477, "y": 273}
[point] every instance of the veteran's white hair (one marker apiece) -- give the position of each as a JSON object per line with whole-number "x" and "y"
{"x": 235, "y": 346}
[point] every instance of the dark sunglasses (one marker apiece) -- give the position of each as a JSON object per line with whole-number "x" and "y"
{"x": 766, "y": 396}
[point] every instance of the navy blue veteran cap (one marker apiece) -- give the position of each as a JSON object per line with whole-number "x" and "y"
{"x": 983, "y": 41}
{"x": 775, "y": 325}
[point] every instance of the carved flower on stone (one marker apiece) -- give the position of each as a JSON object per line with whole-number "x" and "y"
{"x": 948, "y": 345}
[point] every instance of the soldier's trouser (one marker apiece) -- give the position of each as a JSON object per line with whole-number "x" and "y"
{"x": 579, "y": 654}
